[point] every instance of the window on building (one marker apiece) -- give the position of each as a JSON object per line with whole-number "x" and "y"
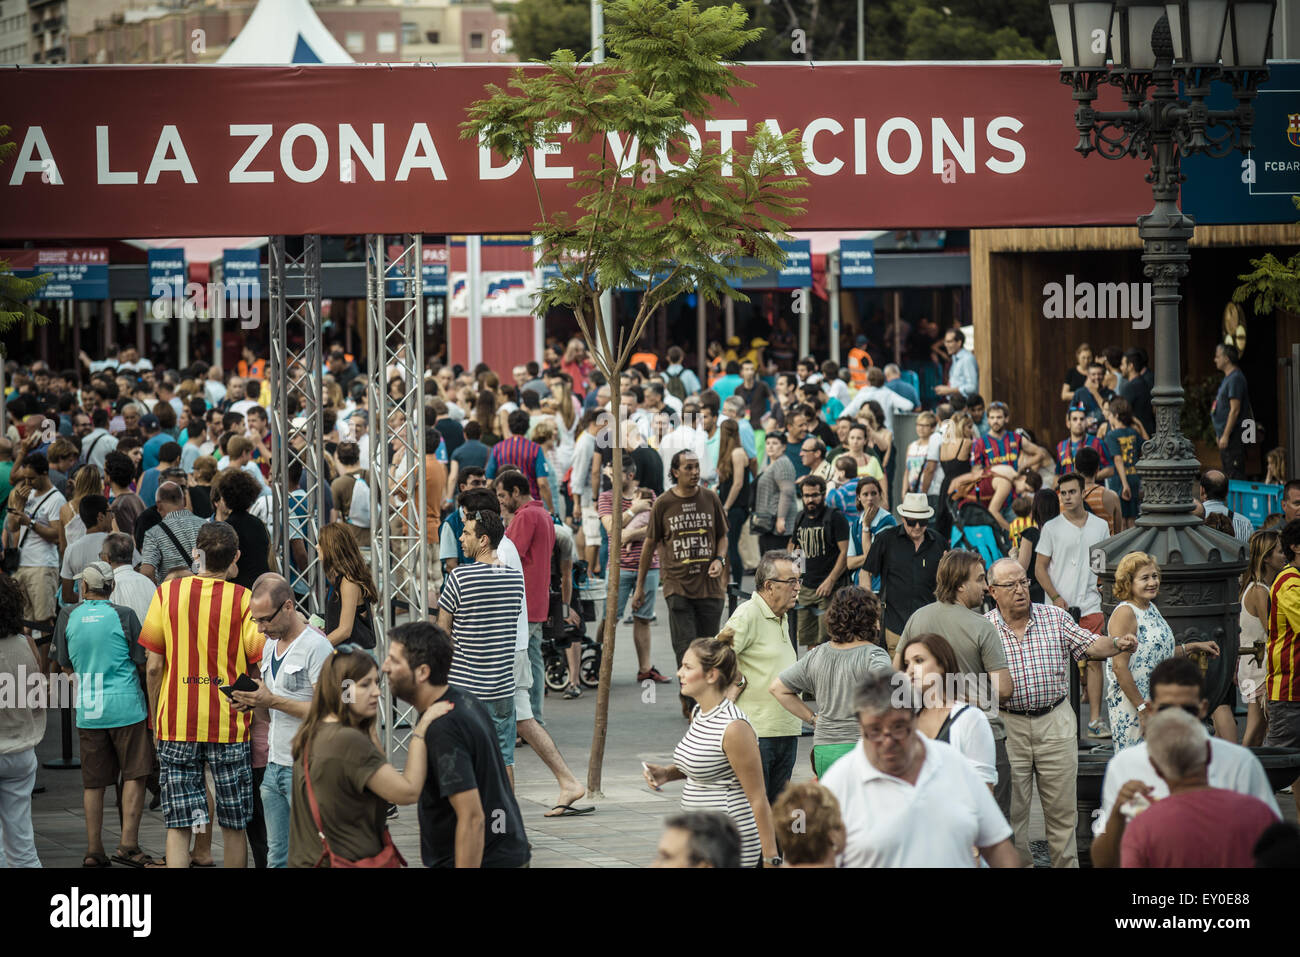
{"x": 386, "y": 42}
{"x": 410, "y": 33}
{"x": 355, "y": 41}
{"x": 433, "y": 36}
{"x": 476, "y": 41}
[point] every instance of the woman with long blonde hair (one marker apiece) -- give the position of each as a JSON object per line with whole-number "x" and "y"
{"x": 89, "y": 480}
{"x": 1266, "y": 561}
{"x": 348, "y": 615}
{"x": 351, "y": 783}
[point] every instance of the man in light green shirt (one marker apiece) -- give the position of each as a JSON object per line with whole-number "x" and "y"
{"x": 763, "y": 649}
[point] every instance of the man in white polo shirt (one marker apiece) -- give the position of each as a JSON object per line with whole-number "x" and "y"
{"x": 1175, "y": 683}
{"x": 908, "y": 801}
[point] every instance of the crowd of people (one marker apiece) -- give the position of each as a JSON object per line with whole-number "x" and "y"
{"x": 932, "y": 679}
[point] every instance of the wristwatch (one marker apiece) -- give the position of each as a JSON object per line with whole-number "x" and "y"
{"x": 1142, "y": 707}
{"x": 773, "y": 861}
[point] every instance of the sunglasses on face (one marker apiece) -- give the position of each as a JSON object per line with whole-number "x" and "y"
{"x": 915, "y": 522}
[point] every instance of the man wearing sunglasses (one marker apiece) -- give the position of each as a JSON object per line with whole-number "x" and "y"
{"x": 1175, "y": 683}
{"x": 1041, "y": 643}
{"x": 906, "y": 557}
{"x": 908, "y": 801}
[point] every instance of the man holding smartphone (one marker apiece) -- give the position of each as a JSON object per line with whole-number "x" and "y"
{"x": 32, "y": 526}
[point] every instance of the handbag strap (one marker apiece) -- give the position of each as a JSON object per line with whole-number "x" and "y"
{"x": 311, "y": 801}
{"x": 180, "y": 550}
{"x": 35, "y": 512}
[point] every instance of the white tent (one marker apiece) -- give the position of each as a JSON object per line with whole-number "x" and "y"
{"x": 284, "y": 31}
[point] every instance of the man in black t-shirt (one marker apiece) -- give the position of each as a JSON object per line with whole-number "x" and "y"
{"x": 821, "y": 536}
{"x": 467, "y": 810}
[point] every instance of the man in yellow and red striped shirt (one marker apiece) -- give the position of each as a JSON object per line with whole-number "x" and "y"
{"x": 1283, "y": 656}
{"x": 200, "y": 636}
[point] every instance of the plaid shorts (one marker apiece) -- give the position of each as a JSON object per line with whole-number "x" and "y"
{"x": 184, "y": 797}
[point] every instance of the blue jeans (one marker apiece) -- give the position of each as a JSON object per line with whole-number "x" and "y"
{"x": 502, "y": 713}
{"x": 276, "y": 790}
{"x": 777, "y": 755}
{"x": 538, "y": 691}
{"x": 17, "y": 840}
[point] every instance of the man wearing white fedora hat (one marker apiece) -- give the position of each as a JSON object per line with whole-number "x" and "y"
{"x": 906, "y": 557}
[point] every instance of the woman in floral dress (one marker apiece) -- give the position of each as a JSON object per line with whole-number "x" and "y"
{"x": 1128, "y": 674}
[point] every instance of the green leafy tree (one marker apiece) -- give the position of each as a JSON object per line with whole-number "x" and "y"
{"x": 540, "y": 27}
{"x": 1272, "y": 284}
{"x": 16, "y": 292}
{"x": 895, "y": 29}
{"x": 661, "y": 228}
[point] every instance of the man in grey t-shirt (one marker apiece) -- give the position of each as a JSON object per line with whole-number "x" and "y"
{"x": 960, "y": 587}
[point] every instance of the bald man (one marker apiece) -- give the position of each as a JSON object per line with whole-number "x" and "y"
{"x": 292, "y": 660}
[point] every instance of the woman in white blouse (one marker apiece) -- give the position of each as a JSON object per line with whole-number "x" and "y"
{"x": 946, "y": 715}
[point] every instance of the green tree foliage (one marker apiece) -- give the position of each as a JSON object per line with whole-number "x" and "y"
{"x": 538, "y": 28}
{"x": 640, "y": 222}
{"x": 15, "y": 293}
{"x": 895, "y": 29}
{"x": 1272, "y": 284}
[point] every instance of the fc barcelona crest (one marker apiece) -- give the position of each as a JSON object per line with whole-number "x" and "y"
{"x": 1293, "y": 128}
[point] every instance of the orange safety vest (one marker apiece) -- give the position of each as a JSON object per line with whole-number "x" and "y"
{"x": 252, "y": 370}
{"x": 857, "y": 368}
{"x": 649, "y": 358}
{"x": 717, "y": 369}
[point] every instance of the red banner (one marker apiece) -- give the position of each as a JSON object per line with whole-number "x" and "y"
{"x": 181, "y": 151}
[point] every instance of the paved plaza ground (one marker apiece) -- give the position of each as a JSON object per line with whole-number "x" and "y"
{"x": 645, "y": 725}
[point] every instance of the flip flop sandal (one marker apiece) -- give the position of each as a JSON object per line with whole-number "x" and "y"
{"x": 212, "y": 863}
{"x": 96, "y": 861}
{"x": 570, "y": 811}
{"x": 134, "y": 857}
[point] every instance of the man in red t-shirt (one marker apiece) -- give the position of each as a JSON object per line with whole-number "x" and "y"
{"x": 532, "y": 530}
{"x": 1197, "y": 825}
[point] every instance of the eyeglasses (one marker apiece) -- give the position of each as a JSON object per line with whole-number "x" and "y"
{"x": 900, "y": 733}
{"x": 915, "y": 522}
{"x": 786, "y": 581}
{"x": 271, "y": 617}
{"x": 1014, "y": 586}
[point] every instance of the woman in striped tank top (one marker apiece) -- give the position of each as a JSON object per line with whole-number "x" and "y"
{"x": 718, "y": 757}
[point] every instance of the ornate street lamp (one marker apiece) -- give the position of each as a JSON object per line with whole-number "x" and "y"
{"x": 1152, "y": 48}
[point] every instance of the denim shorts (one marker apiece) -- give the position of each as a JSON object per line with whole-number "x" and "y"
{"x": 502, "y": 713}
{"x": 627, "y": 584}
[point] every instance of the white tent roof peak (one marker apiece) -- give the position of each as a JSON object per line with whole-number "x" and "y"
{"x": 280, "y": 32}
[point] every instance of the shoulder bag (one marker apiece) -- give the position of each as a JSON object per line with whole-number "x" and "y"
{"x": 388, "y": 856}
{"x": 14, "y": 556}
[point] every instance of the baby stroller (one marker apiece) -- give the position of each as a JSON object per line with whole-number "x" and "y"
{"x": 975, "y": 529}
{"x": 558, "y": 634}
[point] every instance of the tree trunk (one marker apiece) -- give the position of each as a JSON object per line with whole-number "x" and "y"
{"x": 601, "y": 724}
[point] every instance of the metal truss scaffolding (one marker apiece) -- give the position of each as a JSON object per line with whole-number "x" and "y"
{"x": 398, "y": 520}
{"x": 297, "y": 426}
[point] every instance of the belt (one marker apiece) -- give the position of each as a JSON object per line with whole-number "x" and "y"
{"x": 1036, "y": 712}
